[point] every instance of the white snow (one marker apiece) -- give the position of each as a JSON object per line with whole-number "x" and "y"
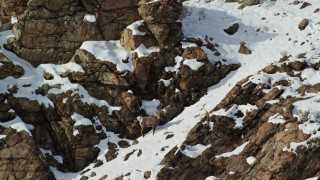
{"x": 211, "y": 178}
{"x": 14, "y": 20}
{"x": 193, "y": 64}
{"x": 174, "y": 68}
{"x": 90, "y": 18}
{"x": 250, "y": 160}
{"x": 3, "y": 136}
{"x": 150, "y": 106}
{"x": 236, "y": 151}
{"x": 109, "y": 51}
{"x": 233, "y": 110}
{"x": 166, "y": 83}
{"x": 80, "y": 120}
{"x": 276, "y": 119}
{"x": 18, "y": 125}
{"x": 194, "y": 151}
{"x": 49, "y": 152}
{"x": 313, "y": 178}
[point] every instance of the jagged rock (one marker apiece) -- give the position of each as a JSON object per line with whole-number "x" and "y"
{"x": 132, "y": 40}
{"x": 131, "y": 101}
{"x": 24, "y": 104}
{"x": 101, "y": 78}
{"x": 194, "y": 53}
{"x": 112, "y": 152}
{"x": 270, "y": 69}
{"x": 21, "y": 157}
{"x": 7, "y": 68}
{"x": 274, "y": 93}
{"x": 304, "y": 5}
{"x": 57, "y": 40}
{"x": 244, "y": 49}
{"x": 141, "y": 71}
{"x": 167, "y": 35}
{"x": 303, "y": 24}
{"x": 126, "y": 157}
{"x": 158, "y": 13}
{"x": 297, "y": 65}
{"x": 115, "y": 16}
{"x": 161, "y": 18}
{"x": 10, "y": 9}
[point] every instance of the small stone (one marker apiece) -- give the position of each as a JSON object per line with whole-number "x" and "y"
{"x": 147, "y": 174}
{"x": 232, "y": 29}
{"x": 303, "y": 24}
{"x": 244, "y": 49}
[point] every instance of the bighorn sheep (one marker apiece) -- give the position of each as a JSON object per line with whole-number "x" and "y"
{"x": 150, "y": 121}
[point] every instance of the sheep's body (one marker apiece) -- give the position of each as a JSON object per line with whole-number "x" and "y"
{"x": 150, "y": 121}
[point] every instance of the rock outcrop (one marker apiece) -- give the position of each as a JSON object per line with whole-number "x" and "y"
{"x": 256, "y": 143}
{"x": 10, "y": 10}
{"x": 20, "y": 157}
{"x": 50, "y": 32}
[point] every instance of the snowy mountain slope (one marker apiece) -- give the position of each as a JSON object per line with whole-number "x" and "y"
{"x": 270, "y": 30}
{"x": 276, "y": 37}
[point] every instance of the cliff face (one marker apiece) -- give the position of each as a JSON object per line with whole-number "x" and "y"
{"x": 50, "y": 32}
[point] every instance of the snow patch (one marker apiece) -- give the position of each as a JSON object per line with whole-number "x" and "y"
{"x": 194, "y": 151}
{"x": 150, "y": 106}
{"x": 134, "y": 28}
{"x": 110, "y": 51}
{"x": 80, "y": 120}
{"x": 90, "y": 18}
{"x": 250, "y": 160}
{"x": 13, "y": 20}
{"x": 236, "y": 151}
{"x": 193, "y": 64}
{"x": 277, "y": 119}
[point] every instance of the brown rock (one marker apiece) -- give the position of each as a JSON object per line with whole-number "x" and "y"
{"x": 232, "y": 29}
{"x": 304, "y": 5}
{"x": 168, "y": 35}
{"x": 271, "y": 69}
{"x": 131, "y": 42}
{"x": 303, "y": 24}
{"x": 244, "y": 49}
{"x": 24, "y": 104}
{"x": 21, "y": 157}
{"x": 131, "y": 101}
{"x": 147, "y": 174}
{"x": 157, "y": 12}
{"x": 141, "y": 70}
{"x": 194, "y": 53}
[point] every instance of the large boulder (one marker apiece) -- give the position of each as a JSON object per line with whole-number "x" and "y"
{"x": 21, "y": 157}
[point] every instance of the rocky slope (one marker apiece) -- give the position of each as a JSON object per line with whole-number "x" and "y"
{"x": 70, "y": 108}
